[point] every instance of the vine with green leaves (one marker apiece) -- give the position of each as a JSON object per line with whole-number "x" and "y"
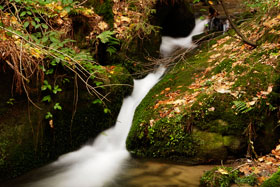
{"x": 36, "y": 42}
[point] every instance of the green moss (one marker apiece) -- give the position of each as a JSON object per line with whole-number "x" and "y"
{"x": 225, "y": 176}
{"x": 19, "y": 145}
{"x": 161, "y": 141}
{"x": 217, "y": 129}
{"x": 222, "y": 120}
{"x": 274, "y": 180}
{"x": 219, "y": 176}
{"x": 255, "y": 75}
{"x": 104, "y": 9}
{"x": 211, "y": 147}
{"x": 232, "y": 142}
{"x": 225, "y": 65}
{"x": 269, "y": 37}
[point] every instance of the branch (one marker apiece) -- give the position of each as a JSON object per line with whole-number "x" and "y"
{"x": 246, "y": 40}
{"x": 78, "y": 66}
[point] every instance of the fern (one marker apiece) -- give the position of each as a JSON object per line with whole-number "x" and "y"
{"x": 241, "y": 107}
{"x": 108, "y": 37}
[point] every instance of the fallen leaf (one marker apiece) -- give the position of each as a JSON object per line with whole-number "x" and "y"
{"x": 222, "y": 90}
{"x": 167, "y": 89}
{"x": 223, "y": 171}
{"x": 125, "y": 19}
{"x": 152, "y": 122}
{"x": 51, "y": 123}
{"x": 102, "y": 25}
{"x": 269, "y": 89}
{"x": 211, "y": 109}
{"x": 251, "y": 103}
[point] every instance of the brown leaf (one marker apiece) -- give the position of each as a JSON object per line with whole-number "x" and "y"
{"x": 51, "y": 123}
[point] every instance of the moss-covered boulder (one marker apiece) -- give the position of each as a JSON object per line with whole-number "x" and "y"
{"x": 209, "y": 106}
{"x": 28, "y": 140}
{"x": 274, "y": 180}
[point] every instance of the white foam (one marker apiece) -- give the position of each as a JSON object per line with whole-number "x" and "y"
{"x": 170, "y": 44}
{"x": 95, "y": 165}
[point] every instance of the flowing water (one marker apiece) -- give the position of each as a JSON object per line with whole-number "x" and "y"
{"x": 98, "y": 164}
{"x": 170, "y": 44}
{"x": 95, "y": 165}
{"x": 159, "y": 174}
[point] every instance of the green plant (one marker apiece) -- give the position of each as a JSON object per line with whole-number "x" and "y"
{"x": 219, "y": 176}
{"x": 225, "y": 176}
{"x": 274, "y": 180}
{"x": 44, "y": 48}
{"x": 57, "y": 106}
{"x": 263, "y": 5}
{"x": 11, "y": 101}
{"x": 48, "y": 115}
{"x": 250, "y": 179}
{"x": 242, "y": 107}
{"x": 107, "y": 37}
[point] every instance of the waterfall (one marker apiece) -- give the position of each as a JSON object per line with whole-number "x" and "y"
{"x": 170, "y": 44}
{"x": 94, "y": 165}
{"x": 97, "y": 164}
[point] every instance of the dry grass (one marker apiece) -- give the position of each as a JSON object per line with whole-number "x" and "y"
{"x": 25, "y": 66}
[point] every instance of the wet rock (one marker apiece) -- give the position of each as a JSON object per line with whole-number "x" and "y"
{"x": 175, "y": 17}
{"x": 28, "y": 140}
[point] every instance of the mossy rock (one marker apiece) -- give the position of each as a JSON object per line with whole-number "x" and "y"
{"x": 214, "y": 146}
{"x": 28, "y": 140}
{"x": 226, "y": 176}
{"x": 274, "y": 180}
{"x": 191, "y": 102}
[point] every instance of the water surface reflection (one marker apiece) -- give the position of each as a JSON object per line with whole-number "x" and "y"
{"x": 159, "y": 174}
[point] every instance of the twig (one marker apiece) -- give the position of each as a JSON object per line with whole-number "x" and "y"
{"x": 82, "y": 3}
{"x": 75, "y": 104}
{"x": 246, "y": 40}
{"x": 23, "y": 83}
{"x": 99, "y": 95}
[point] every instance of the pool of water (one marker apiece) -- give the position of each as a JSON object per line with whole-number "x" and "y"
{"x": 159, "y": 174}
{"x": 135, "y": 173}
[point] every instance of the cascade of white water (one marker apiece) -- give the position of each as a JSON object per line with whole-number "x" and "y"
{"x": 170, "y": 44}
{"x": 95, "y": 165}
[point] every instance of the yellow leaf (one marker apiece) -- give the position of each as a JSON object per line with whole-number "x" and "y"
{"x": 59, "y": 21}
{"x": 88, "y": 12}
{"x": 50, "y": 5}
{"x": 35, "y": 52}
{"x": 102, "y": 25}
{"x": 59, "y": 7}
{"x": 125, "y": 19}
{"x": 63, "y": 13}
{"x": 210, "y": 2}
{"x": 14, "y": 20}
{"x": 223, "y": 171}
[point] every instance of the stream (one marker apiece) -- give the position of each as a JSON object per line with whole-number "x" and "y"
{"x": 106, "y": 162}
